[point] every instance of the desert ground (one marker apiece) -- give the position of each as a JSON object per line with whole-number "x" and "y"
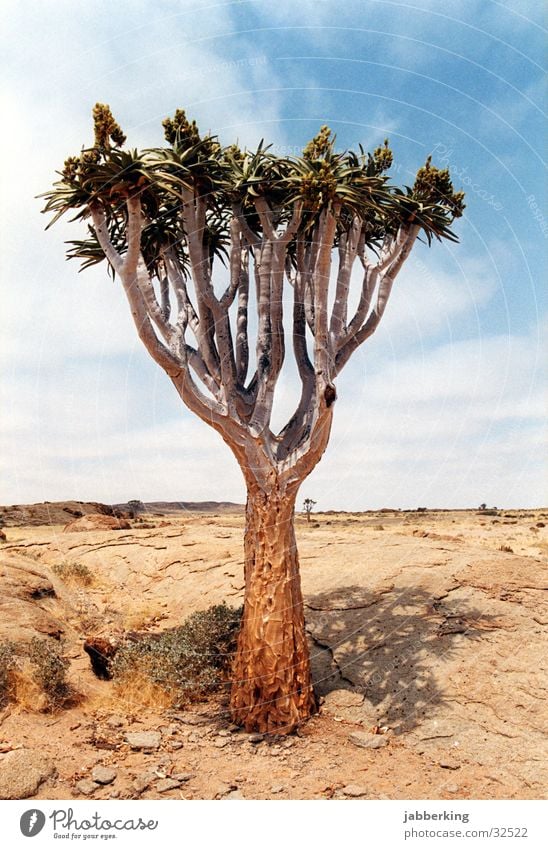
{"x": 428, "y": 640}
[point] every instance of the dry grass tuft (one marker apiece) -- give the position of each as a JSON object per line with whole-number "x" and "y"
{"x": 135, "y": 691}
{"x": 73, "y": 573}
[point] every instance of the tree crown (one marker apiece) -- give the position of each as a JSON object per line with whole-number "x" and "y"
{"x": 348, "y": 182}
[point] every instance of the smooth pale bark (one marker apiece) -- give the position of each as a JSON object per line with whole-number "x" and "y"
{"x": 271, "y": 682}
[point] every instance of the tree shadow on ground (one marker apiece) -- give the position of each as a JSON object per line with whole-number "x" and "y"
{"x": 388, "y": 645}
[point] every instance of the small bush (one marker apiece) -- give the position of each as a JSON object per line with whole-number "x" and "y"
{"x": 185, "y": 662}
{"x": 7, "y": 662}
{"x": 74, "y": 573}
{"x": 49, "y": 670}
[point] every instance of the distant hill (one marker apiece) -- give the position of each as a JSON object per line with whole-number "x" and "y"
{"x": 166, "y": 507}
{"x": 61, "y": 512}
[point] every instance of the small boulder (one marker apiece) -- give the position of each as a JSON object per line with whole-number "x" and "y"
{"x": 22, "y": 771}
{"x": 100, "y": 651}
{"x": 103, "y": 774}
{"x": 144, "y": 739}
{"x": 87, "y": 787}
{"x": 97, "y": 522}
{"x": 355, "y": 791}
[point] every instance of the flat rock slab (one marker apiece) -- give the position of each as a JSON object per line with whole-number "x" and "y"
{"x": 368, "y": 741}
{"x": 355, "y": 791}
{"x": 22, "y": 772}
{"x": 167, "y": 784}
{"x": 351, "y": 706}
{"x": 144, "y": 739}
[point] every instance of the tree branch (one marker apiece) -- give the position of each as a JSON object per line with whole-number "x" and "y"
{"x": 355, "y": 337}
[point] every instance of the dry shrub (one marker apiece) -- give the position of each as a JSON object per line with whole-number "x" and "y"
{"x": 50, "y": 670}
{"x": 25, "y": 689}
{"x": 33, "y": 675}
{"x": 7, "y": 663}
{"x": 378, "y": 527}
{"x": 185, "y": 663}
{"x": 73, "y": 573}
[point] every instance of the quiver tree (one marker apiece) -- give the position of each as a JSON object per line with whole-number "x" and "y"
{"x": 167, "y": 220}
{"x": 308, "y": 506}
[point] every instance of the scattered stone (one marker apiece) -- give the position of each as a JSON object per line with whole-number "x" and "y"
{"x": 452, "y": 788}
{"x": 193, "y": 737}
{"x": 21, "y": 773}
{"x": 233, "y": 795}
{"x": 103, "y": 774}
{"x": 368, "y": 741}
{"x": 143, "y": 781}
{"x": 255, "y": 738}
{"x": 355, "y": 791}
{"x": 115, "y": 722}
{"x": 87, "y": 787}
{"x": 449, "y": 764}
{"x": 144, "y": 739}
{"x": 233, "y": 728}
{"x": 168, "y": 784}
{"x": 223, "y": 733}
{"x": 183, "y": 776}
{"x": 221, "y": 742}
{"x": 176, "y": 745}
{"x": 115, "y": 794}
{"x": 277, "y": 788}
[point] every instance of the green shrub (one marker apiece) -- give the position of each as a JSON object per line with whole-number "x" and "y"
{"x": 188, "y": 661}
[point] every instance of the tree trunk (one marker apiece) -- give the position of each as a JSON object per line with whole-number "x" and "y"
{"x": 272, "y": 686}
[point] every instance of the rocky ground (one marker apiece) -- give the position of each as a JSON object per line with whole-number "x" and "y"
{"x": 428, "y": 638}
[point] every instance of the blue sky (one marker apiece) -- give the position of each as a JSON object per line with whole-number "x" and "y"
{"x": 445, "y": 405}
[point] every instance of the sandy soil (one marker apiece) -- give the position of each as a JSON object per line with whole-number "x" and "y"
{"x": 428, "y": 636}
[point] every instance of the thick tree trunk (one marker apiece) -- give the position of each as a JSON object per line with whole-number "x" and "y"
{"x": 272, "y": 686}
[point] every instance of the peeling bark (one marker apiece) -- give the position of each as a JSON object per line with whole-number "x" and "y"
{"x": 272, "y": 686}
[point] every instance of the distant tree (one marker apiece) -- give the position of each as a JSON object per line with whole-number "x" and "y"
{"x": 482, "y": 506}
{"x": 308, "y": 506}
{"x": 136, "y": 506}
{"x": 164, "y": 220}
